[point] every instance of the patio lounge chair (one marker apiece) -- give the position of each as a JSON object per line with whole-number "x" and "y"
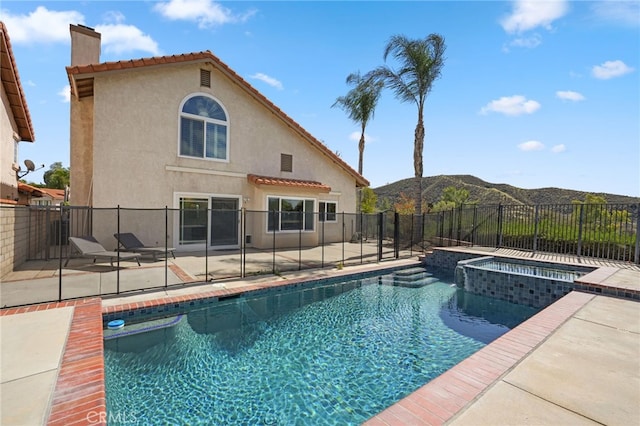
{"x": 129, "y": 242}
{"x": 90, "y": 247}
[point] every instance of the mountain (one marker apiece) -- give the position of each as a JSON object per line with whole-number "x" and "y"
{"x": 485, "y": 193}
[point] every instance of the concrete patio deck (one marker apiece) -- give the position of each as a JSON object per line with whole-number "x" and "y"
{"x": 577, "y": 362}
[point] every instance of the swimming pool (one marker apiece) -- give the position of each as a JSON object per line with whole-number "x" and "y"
{"x": 334, "y": 353}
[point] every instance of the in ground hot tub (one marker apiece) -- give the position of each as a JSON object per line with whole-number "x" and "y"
{"x": 526, "y": 282}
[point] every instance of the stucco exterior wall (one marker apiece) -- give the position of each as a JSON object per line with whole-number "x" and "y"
{"x": 8, "y": 181}
{"x": 81, "y": 151}
{"x": 135, "y": 161}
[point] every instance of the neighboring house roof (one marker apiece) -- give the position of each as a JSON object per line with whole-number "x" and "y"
{"x": 28, "y": 189}
{"x": 81, "y": 81}
{"x": 13, "y": 88}
{"x": 55, "y": 194}
{"x": 297, "y": 183}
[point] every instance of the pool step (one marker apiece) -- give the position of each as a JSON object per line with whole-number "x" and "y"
{"x": 410, "y": 271}
{"x": 411, "y": 277}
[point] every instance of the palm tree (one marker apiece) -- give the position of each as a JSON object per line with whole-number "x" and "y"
{"x": 360, "y": 104}
{"x": 420, "y": 63}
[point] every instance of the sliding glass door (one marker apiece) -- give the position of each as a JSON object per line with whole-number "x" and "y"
{"x": 212, "y": 220}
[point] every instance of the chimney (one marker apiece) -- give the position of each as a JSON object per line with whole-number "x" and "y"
{"x": 85, "y": 45}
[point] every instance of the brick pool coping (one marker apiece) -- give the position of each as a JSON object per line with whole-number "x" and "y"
{"x": 80, "y": 388}
{"x": 79, "y": 396}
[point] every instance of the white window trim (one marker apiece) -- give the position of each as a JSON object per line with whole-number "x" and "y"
{"x": 325, "y": 212}
{"x": 290, "y": 231}
{"x": 227, "y": 123}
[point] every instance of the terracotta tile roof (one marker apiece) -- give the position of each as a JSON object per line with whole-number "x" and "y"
{"x": 294, "y": 183}
{"x": 13, "y": 88}
{"x": 56, "y": 194}
{"x": 28, "y": 189}
{"x": 79, "y": 72}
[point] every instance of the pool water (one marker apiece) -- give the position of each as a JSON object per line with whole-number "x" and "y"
{"x": 332, "y": 354}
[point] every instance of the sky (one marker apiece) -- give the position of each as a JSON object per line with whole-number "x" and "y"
{"x": 533, "y": 94}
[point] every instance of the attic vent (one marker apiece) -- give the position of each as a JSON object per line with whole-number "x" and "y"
{"x": 205, "y": 78}
{"x": 286, "y": 162}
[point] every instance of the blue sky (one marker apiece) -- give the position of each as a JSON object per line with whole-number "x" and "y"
{"x": 533, "y": 93}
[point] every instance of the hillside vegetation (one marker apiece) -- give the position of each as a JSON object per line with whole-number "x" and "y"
{"x": 485, "y": 193}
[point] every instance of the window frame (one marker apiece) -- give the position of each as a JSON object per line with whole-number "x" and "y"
{"x": 322, "y": 211}
{"x": 307, "y": 227}
{"x": 205, "y": 121}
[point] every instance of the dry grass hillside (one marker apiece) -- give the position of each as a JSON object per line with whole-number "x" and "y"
{"x": 485, "y": 193}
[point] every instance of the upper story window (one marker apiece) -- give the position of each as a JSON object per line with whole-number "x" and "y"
{"x": 203, "y": 129}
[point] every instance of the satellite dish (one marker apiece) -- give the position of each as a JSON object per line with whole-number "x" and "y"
{"x": 30, "y": 166}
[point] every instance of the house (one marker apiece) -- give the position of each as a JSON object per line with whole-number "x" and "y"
{"x": 15, "y": 121}
{"x": 187, "y": 133}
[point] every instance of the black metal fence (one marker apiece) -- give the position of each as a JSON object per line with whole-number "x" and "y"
{"x": 218, "y": 244}
{"x": 604, "y": 231}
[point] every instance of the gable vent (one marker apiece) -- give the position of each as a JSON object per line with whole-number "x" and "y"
{"x": 205, "y": 78}
{"x": 286, "y": 162}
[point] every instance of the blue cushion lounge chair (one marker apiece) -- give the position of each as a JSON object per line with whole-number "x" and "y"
{"x": 129, "y": 242}
{"x": 88, "y": 246}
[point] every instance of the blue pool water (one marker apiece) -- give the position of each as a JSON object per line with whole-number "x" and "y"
{"x": 333, "y": 354}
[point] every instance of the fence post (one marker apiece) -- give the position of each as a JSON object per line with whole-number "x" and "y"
{"x": 166, "y": 246}
{"x": 322, "y": 251}
{"x": 362, "y": 237}
{"x": 580, "y": 223}
{"x": 46, "y": 230}
{"x": 396, "y": 234}
{"x": 535, "y": 229}
{"x": 59, "y": 256}
{"x": 473, "y": 226}
{"x": 243, "y": 243}
{"x": 118, "y": 251}
{"x": 273, "y": 248}
{"x": 499, "y": 230}
{"x": 300, "y": 244}
{"x": 413, "y": 219}
{"x": 424, "y": 219}
{"x": 343, "y": 235}
{"x": 636, "y": 256}
{"x": 459, "y": 236}
{"x": 380, "y": 231}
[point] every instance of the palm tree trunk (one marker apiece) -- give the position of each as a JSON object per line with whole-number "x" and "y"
{"x": 418, "y": 145}
{"x": 361, "y": 151}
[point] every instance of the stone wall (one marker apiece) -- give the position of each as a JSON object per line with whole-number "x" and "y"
{"x": 14, "y": 237}
{"x": 446, "y": 260}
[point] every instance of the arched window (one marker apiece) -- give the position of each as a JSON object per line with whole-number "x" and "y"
{"x": 203, "y": 129}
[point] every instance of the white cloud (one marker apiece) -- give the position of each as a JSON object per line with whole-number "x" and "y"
{"x": 65, "y": 94}
{"x": 207, "y": 13}
{"x": 41, "y": 25}
{"x": 121, "y": 38}
{"x": 530, "y": 42}
{"x": 610, "y": 69}
{"x": 531, "y": 146}
{"x": 511, "y": 105}
{"x": 625, "y": 13}
{"x": 568, "y": 95}
{"x": 355, "y": 136}
{"x": 530, "y": 14}
{"x": 29, "y": 82}
{"x": 269, "y": 80}
{"x": 558, "y": 148}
